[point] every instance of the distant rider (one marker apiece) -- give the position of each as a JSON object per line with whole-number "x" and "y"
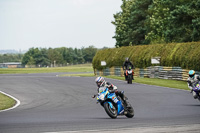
{"x": 102, "y": 85}
{"x": 192, "y": 80}
{"x": 127, "y": 63}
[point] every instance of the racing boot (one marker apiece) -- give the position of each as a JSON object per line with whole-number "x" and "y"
{"x": 126, "y": 106}
{"x": 125, "y": 77}
{"x": 125, "y": 102}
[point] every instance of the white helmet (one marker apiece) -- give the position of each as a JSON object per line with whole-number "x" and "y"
{"x": 100, "y": 81}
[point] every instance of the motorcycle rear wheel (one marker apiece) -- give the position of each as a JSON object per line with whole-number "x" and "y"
{"x": 112, "y": 112}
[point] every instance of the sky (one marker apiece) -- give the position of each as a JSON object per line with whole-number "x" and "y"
{"x": 57, "y": 23}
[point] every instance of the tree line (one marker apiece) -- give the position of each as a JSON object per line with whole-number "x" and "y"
{"x": 10, "y": 58}
{"x": 157, "y": 21}
{"x": 43, "y": 57}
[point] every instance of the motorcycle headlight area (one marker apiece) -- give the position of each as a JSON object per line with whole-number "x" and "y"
{"x": 197, "y": 88}
{"x": 101, "y": 96}
{"x": 130, "y": 71}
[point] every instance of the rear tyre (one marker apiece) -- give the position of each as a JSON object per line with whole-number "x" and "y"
{"x": 112, "y": 112}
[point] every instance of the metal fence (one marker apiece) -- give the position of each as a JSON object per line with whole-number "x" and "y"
{"x": 176, "y": 73}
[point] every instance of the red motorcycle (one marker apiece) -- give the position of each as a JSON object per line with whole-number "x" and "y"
{"x": 129, "y": 73}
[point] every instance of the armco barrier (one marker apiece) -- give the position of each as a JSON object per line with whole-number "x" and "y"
{"x": 176, "y": 73}
{"x": 117, "y": 71}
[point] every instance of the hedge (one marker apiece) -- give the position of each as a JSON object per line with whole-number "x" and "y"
{"x": 184, "y": 55}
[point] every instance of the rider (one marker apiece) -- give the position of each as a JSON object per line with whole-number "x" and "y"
{"x": 192, "y": 79}
{"x": 102, "y": 85}
{"x": 127, "y": 63}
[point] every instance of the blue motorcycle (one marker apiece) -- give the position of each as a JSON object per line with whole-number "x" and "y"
{"x": 114, "y": 105}
{"x": 196, "y": 89}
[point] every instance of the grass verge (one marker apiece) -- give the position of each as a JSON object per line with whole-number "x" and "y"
{"x": 150, "y": 81}
{"x": 6, "y": 102}
{"x": 74, "y": 68}
{"x": 78, "y": 75}
{"x": 158, "y": 82}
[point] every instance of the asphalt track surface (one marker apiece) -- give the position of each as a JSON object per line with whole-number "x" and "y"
{"x": 63, "y": 104}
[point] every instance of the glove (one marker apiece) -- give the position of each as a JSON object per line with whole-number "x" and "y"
{"x": 110, "y": 87}
{"x": 94, "y": 96}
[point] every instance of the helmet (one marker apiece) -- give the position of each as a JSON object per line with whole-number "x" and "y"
{"x": 100, "y": 81}
{"x": 191, "y": 73}
{"x": 127, "y": 59}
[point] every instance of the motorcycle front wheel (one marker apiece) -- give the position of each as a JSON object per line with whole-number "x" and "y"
{"x": 129, "y": 81}
{"x": 112, "y": 112}
{"x": 130, "y": 112}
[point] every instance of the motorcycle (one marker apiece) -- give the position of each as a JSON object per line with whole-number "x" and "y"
{"x": 129, "y": 75}
{"x": 196, "y": 89}
{"x": 114, "y": 105}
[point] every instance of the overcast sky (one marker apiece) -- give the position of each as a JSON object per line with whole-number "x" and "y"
{"x": 57, "y": 23}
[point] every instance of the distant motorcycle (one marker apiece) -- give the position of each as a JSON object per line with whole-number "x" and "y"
{"x": 114, "y": 105}
{"x": 196, "y": 89}
{"x": 129, "y": 75}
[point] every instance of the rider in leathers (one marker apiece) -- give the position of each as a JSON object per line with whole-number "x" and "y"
{"x": 102, "y": 85}
{"x": 127, "y": 63}
{"x": 191, "y": 81}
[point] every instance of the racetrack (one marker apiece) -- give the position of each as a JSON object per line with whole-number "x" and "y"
{"x": 58, "y": 104}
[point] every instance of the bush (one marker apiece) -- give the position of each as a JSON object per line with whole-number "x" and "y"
{"x": 185, "y": 55}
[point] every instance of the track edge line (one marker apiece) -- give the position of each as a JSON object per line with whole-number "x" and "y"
{"x": 15, "y": 106}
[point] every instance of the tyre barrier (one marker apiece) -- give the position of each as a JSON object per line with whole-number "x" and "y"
{"x": 175, "y": 73}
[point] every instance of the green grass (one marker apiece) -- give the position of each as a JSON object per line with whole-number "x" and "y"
{"x": 77, "y": 75}
{"x": 150, "y": 81}
{"x": 158, "y": 82}
{"x": 74, "y": 68}
{"x": 6, "y": 102}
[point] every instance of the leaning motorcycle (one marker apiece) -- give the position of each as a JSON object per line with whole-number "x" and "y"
{"x": 196, "y": 89}
{"x": 114, "y": 105}
{"x": 129, "y": 75}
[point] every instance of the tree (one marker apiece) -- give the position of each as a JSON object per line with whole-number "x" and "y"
{"x": 44, "y": 61}
{"x": 174, "y": 21}
{"x": 121, "y": 23}
{"x": 61, "y": 56}
{"x": 10, "y": 58}
{"x": 89, "y": 53}
{"x": 31, "y": 62}
{"x": 79, "y": 53}
{"x": 131, "y": 22}
{"x": 137, "y": 22}
{"x": 27, "y": 56}
{"x": 37, "y": 56}
{"x": 159, "y": 13}
{"x": 157, "y": 21}
{"x": 55, "y": 56}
